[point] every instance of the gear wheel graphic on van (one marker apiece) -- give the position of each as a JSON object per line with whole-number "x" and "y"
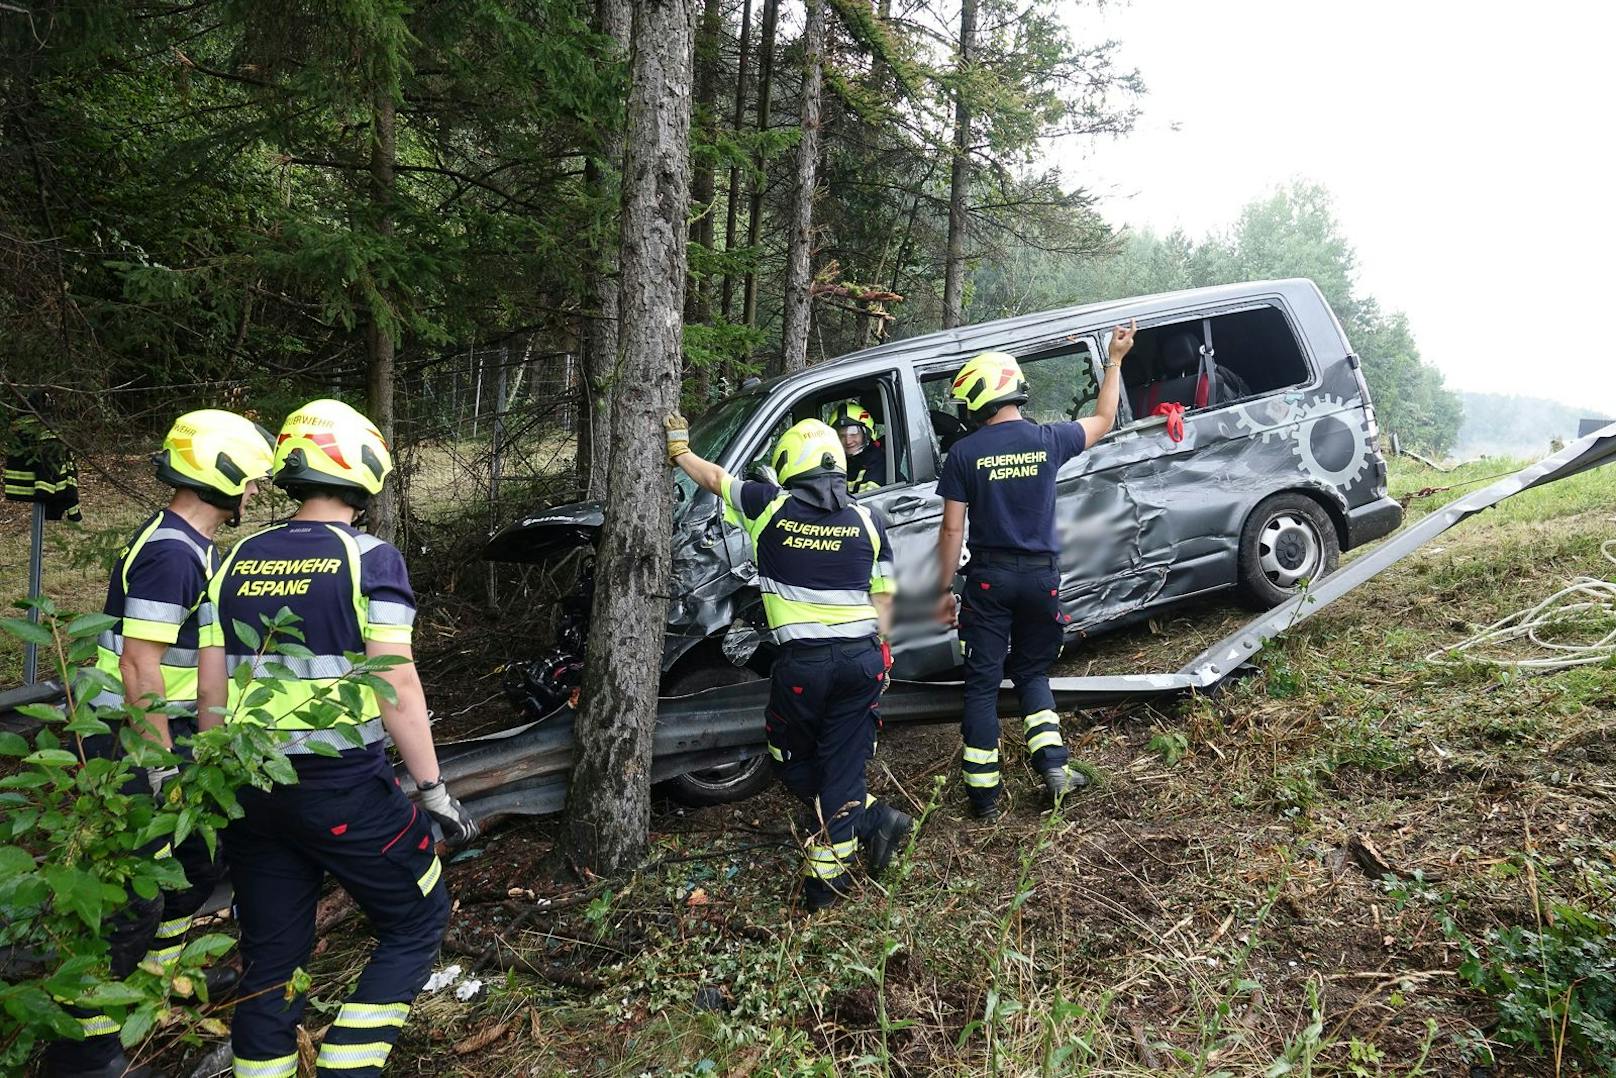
{"x": 1269, "y": 418}
{"x": 1332, "y": 441}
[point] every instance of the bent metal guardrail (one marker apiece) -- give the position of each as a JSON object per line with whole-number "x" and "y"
{"x": 524, "y": 771}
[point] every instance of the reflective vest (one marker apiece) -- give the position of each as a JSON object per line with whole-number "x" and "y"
{"x": 329, "y": 574}
{"x": 177, "y": 624}
{"x": 795, "y": 555}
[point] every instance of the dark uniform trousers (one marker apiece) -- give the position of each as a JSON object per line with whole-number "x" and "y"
{"x": 145, "y": 928}
{"x": 379, "y": 847}
{"x": 824, "y": 714}
{"x": 1011, "y": 623}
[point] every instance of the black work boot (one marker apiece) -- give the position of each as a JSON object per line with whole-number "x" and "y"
{"x": 222, "y": 981}
{"x": 887, "y": 838}
{"x": 1064, "y": 780}
{"x": 822, "y": 894}
{"x": 986, "y": 811}
{"x": 116, "y": 1067}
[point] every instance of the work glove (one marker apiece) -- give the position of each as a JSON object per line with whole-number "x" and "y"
{"x": 678, "y": 434}
{"x": 458, "y": 826}
{"x": 886, "y": 666}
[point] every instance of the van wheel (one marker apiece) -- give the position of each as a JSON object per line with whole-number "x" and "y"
{"x": 1287, "y": 540}
{"x": 727, "y": 782}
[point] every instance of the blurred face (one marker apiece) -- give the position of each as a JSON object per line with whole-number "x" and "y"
{"x": 852, "y": 438}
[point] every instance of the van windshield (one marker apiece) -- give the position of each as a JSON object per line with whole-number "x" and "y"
{"x": 711, "y": 435}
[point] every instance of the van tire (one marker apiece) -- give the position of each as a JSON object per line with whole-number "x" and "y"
{"x": 716, "y": 785}
{"x": 1287, "y": 539}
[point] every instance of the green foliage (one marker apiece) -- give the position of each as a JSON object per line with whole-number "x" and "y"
{"x": 1171, "y": 745}
{"x": 77, "y": 846}
{"x": 1553, "y": 981}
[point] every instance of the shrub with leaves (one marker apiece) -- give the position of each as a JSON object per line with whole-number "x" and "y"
{"x": 1554, "y": 982}
{"x": 76, "y": 845}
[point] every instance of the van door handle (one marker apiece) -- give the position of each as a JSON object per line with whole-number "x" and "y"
{"x": 905, "y": 505}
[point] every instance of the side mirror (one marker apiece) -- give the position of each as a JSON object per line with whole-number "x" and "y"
{"x": 762, "y": 473}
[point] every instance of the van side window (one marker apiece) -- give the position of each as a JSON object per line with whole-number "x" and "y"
{"x": 878, "y": 396}
{"x": 1253, "y": 352}
{"x": 1060, "y": 381}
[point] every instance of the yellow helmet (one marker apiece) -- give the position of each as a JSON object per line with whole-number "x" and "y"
{"x": 851, "y": 412}
{"x": 326, "y": 443}
{"x": 989, "y": 381}
{"x": 808, "y": 449}
{"x": 216, "y": 454}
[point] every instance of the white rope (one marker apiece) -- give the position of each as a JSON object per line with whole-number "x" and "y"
{"x": 1584, "y": 599}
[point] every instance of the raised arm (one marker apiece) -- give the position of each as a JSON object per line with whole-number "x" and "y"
{"x": 1096, "y": 426}
{"x": 708, "y": 476}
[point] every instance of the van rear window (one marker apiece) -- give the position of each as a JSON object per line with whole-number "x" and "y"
{"x": 1255, "y": 352}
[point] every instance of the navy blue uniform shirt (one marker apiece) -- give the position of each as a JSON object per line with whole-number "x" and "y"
{"x": 307, "y": 567}
{"x": 1005, "y": 474}
{"x": 867, "y": 469}
{"x": 816, "y": 569}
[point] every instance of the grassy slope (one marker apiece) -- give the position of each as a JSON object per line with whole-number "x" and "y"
{"x": 1194, "y": 916}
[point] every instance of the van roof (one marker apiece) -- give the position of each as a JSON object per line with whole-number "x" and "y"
{"x": 1006, "y": 333}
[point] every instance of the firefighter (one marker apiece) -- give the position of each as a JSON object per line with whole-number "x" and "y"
{"x": 1003, "y": 474}
{"x": 866, "y": 461}
{"x": 346, "y": 815}
{"x": 213, "y": 461}
{"x": 825, "y": 570}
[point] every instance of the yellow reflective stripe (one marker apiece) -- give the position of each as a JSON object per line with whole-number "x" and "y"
{"x": 869, "y": 799}
{"x": 165, "y": 955}
{"x": 372, "y": 1015}
{"x": 98, "y": 1025}
{"x": 281, "y": 1067}
{"x": 351, "y": 547}
{"x": 352, "y": 1056}
{"x": 284, "y": 706}
{"x": 134, "y": 547}
{"x": 388, "y": 634}
{"x": 1045, "y": 740}
{"x": 869, "y": 526}
{"x": 882, "y": 585}
{"x": 1037, "y": 718}
{"x": 986, "y": 780}
{"x": 167, "y": 850}
{"x": 754, "y": 528}
{"x": 175, "y": 926}
{"x": 161, "y": 631}
{"x": 777, "y": 754}
{"x": 981, "y": 756}
{"x": 783, "y": 611}
{"x": 429, "y": 878}
{"x": 841, "y": 851}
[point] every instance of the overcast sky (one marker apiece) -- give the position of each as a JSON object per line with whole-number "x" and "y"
{"x": 1468, "y": 147}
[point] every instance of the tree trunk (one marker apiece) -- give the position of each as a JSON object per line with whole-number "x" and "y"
{"x": 732, "y": 198}
{"x": 378, "y": 330}
{"x": 959, "y": 187}
{"x": 754, "y": 220}
{"x": 599, "y": 331}
{"x": 699, "y": 291}
{"x": 799, "y": 298}
{"x": 609, "y": 807}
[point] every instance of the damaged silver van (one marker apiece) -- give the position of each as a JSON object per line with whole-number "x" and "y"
{"x": 1263, "y": 469}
